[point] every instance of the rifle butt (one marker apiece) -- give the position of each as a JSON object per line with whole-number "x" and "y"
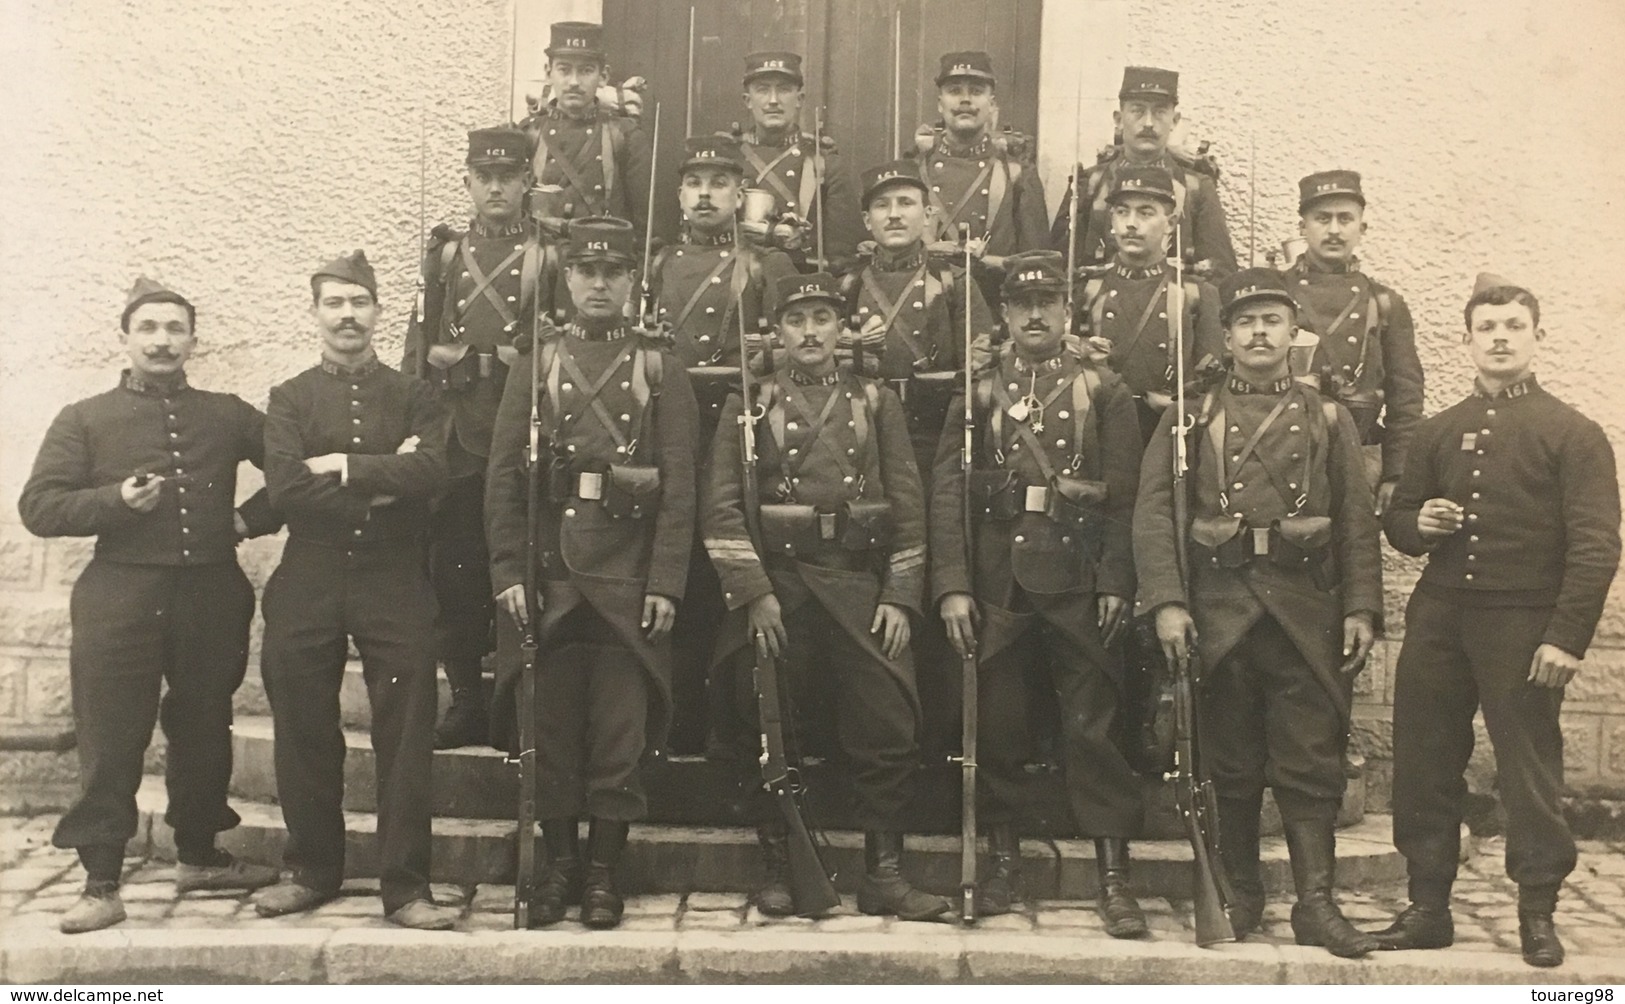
{"x": 1212, "y": 923}
{"x": 525, "y": 866}
{"x": 810, "y": 884}
{"x": 967, "y": 793}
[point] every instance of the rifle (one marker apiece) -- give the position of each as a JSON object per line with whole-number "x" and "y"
{"x": 896, "y": 81}
{"x": 525, "y": 871}
{"x": 968, "y": 669}
{"x": 1198, "y": 805}
{"x": 1072, "y": 209}
{"x": 818, "y": 184}
{"x": 810, "y": 884}
{"x": 648, "y": 226}
{"x": 688, "y": 86}
{"x": 1252, "y": 207}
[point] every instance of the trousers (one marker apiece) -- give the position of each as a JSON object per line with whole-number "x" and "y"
{"x": 460, "y": 569}
{"x": 1103, "y": 791}
{"x": 381, "y": 598}
{"x": 1265, "y": 719}
{"x": 1456, "y": 660}
{"x": 135, "y": 628}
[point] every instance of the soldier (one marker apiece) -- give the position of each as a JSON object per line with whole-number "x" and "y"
{"x": 974, "y": 177}
{"x": 909, "y": 309}
{"x": 480, "y": 295}
{"x": 1282, "y": 602}
{"x": 354, "y": 453}
{"x": 804, "y": 173}
{"x": 1126, "y": 303}
{"x": 586, "y": 158}
{"x": 616, "y": 527}
{"x": 1367, "y": 340}
{"x": 149, "y": 469}
{"x": 699, "y": 284}
{"x": 831, "y": 592}
{"x": 1048, "y": 577}
{"x": 1512, "y": 495}
{"x": 1146, "y": 116}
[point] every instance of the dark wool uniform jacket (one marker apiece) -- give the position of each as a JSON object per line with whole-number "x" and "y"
{"x": 366, "y": 412}
{"x": 194, "y": 438}
{"x": 1128, "y": 306}
{"x": 1226, "y": 602}
{"x": 700, "y": 275}
{"x": 584, "y": 554}
{"x": 966, "y": 183}
{"x": 1369, "y": 341}
{"x": 828, "y": 472}
{"x": 1537, "y": 481}
{"x": 1032, "y": 551}
{"x": 457, "y": 312}
{"x": 590, "y": 186}
{"x": 795, "y": 179}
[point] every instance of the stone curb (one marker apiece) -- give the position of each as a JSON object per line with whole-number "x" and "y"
{"x": 925, "y": 955}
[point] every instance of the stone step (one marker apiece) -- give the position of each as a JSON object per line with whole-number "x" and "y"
{"x": 480, "y": 783}
{"x": 684, "y": 859}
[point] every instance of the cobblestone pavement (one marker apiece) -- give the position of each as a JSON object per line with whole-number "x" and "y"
{"x": 37, "y": 882}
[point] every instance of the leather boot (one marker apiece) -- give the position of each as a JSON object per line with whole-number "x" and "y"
{"x": 884, "y": 891}
{"x": 1418, "y": 926}
{"x": 1238, "y": 853}
{"x": 774, "y": 898}
{"x": 467, "y": 722}
{"x": 601, "y": 904}
{"x": 1000, "y": 891}
{"x": 1538, "y": 937}
{"x": 560, "y": 884}
{"x": 1117, "y": 905}
{"x": 1316, "y": 919}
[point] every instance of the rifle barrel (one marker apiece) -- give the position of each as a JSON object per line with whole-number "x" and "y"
{"x": 968, "y": 670}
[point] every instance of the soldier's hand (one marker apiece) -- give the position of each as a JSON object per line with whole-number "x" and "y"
{"x": 961, "y": 618}
{"x": 408, "y": 445}
{"x": 144, "y": 498}
{"x": 239, "y": 526}
{"x": 327, "y": 463}
{"x": 1177, "y": 633}
{"x": 512, "y": 600}
{"x": 1552, "y": 667}
{"x": 659, "y": 614}
{"x": 1111, "y": 609}
{"x": 767, "y": 626}
{"x": 891, "y": 623}
{"x": 873, "y": 332}
{"x": 1359, "y": 634}
{"x": 1438, "y": 519}
{"x": 1385, "y": 495}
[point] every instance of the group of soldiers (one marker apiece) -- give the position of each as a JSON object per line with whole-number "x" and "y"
{"x": 633, "y": 471}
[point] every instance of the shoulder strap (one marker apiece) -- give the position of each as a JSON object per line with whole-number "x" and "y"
{"x": 613, "y": 142}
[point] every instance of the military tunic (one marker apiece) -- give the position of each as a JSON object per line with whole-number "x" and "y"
{"x": 1273, "y": 709}
{"x": 1036, "y": 578}
{"x": 1203, "y": 230}
{"x": 353, "y": 567}
{"x": 481, "y": 292}
{"x": 162, "y": 599}
{"x": 1128, "y": 306}
{"x": 1000, "y": 196}
{"x": 697, "y": 285}
{"x": 803, "y": 183}
{"x": 1369, "y": 342}
{"x": 824, "y": 443}
{"x": 1531, "y": 565}
{"x": 593, "y": 165}
{"x": 614, "y": 397}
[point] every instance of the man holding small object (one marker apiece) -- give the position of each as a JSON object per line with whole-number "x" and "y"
{"x": 1512, "y": 495}
{"x": 149, "y": 469}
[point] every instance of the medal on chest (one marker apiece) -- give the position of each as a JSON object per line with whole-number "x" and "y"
{"x": 1029, "y": 408}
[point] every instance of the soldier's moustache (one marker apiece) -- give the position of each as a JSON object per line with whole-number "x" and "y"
{"x": 168, "y": 354}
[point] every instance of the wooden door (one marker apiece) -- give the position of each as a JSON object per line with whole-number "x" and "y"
{"x": 848, "y": 48}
